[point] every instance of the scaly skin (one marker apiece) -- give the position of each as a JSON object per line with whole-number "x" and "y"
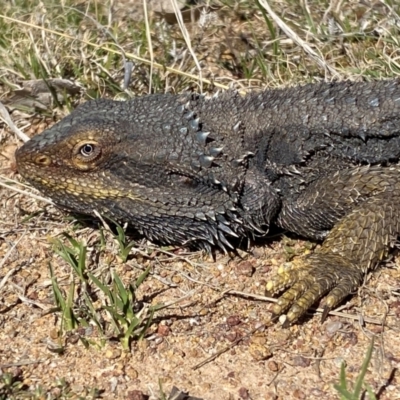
{"x": 319, "y": 160}
{"x": 356, "y": 244}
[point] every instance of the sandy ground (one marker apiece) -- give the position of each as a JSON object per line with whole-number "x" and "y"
{"x": 300, "y": 362}
{"x": 269, "y": 362}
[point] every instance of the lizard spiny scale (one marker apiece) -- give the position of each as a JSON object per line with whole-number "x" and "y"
{"x": 206, "y": 161}
{"x": 202, "y": 137}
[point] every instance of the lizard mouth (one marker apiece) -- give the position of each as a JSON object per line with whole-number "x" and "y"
{"x": 43, "y": 172}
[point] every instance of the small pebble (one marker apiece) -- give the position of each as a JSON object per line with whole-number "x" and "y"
{"x": 233, "y": 320}
{"x": 273, "y": 366}
{"x": 332, "y": 327}
{"x": 136, "y": 395}
{"x": 259, "y": 352}
{"x": 245, "y": 268}
{"x": 300, "y": 361}
{"x": 163, "y": 330}
{"x": 244, "y": 393}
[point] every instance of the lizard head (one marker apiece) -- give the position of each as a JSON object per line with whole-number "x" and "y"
{"x": 126, "y": 169}
{"x": 141, "y": 163}
{"x": 65, "y": 161}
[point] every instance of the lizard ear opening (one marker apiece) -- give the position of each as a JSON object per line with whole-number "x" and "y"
{"x": 85, "y": 152}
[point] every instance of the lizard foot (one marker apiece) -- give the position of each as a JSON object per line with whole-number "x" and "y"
{"x": 309, "y": 279}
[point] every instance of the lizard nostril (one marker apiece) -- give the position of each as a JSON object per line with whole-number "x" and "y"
{"x": 43, "y": 160}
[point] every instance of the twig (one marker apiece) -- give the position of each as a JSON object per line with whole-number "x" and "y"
{"x": 21, "y": 363}
{"x": 276, "y": 375}
{"x": 224, "y": 350}
{"x": 26, "y": 300}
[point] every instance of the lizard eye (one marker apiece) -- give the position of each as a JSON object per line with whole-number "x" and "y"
{"x": 85, "y": 152}
{"x": 87, "y": 149}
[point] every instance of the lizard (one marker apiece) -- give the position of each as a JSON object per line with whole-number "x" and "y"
{"x": 319, "y": 160}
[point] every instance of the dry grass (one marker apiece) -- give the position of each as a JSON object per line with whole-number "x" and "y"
{"x": 58, "y": 338}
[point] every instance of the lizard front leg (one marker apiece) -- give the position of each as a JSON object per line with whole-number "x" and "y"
{"x": 358, "y": 241}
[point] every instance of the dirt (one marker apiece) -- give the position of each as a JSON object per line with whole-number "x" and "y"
{"x": 217, "y": 310}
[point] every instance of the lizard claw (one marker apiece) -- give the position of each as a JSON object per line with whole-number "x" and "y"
{"x": 309, "y": 279}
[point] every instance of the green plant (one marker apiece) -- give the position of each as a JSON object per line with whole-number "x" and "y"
{"x": 127, "y": 324}
{"x": 124, "y": 246}
{"x": 118, "y": 302}
{"x": 342, "y": 388}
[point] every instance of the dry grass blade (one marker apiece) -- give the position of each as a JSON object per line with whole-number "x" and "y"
{"x": 354, "y": 317}
{"x": 5, "y": 116}
{"x": 34, "y": 196}
{"x": 2, "y": 262}
{"x": 5, "y": 258}
{"x": 14, "y": 182}
{"x": 20, "y": 364}
{"x": 127, "y": 65}
{"x": 113, "y": 51}
{"x": 150, "y": 46}
{"x": 186, "y": 36}
{"x": 297, "y": 39}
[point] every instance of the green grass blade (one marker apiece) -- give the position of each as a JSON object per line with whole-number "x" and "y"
{"x": 142, "y": 277}
{"x": 68, "y": 313}
{"x": 93, "y": 313}
{"x": 121, "y": 290}
{"x": 271, "y": 29}
{"x": 148, "y": 322}
{"x": 360, "y": 379}
{"x": 371, "y": 394}
{"x": 345, "y": 394}
{"x": 58, "y": 297}
{"x": 343, "y": 382}
{"x": 101, "y": 286}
